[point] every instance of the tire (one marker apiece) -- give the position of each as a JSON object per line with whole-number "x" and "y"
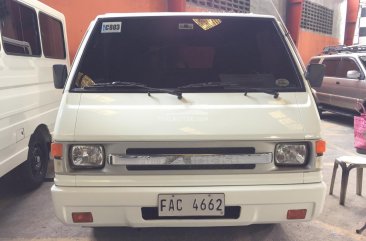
{"x": 33, "y": 171}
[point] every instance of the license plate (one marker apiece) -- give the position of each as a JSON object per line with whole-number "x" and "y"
{"x": 212, "y": 204}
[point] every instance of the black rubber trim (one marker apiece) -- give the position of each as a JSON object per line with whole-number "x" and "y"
{"x": 151, "y": 213}
{"x": 176, "y": 151}
{"x": 189, "y": 167}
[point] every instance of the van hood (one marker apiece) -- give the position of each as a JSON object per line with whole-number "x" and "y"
{"x": 93, "y": 117}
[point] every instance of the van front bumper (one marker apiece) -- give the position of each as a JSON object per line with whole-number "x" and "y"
{"x": 122, "y": 206}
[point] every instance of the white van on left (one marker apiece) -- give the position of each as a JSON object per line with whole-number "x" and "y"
{"x": 32, "y": 46}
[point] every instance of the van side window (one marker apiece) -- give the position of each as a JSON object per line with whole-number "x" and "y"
{"x": 345, "y": 66}
{"x": 331, "y": 66}
{"x": 20, "y": 34}
{"x": 52, "y": 37}
{"x": 314, "y": 61}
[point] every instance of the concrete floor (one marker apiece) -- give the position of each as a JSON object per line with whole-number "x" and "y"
{"x": 30, "y": 216}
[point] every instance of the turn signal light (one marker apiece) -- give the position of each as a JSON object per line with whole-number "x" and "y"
{"x": 320, "y": 147}
{"x": 84, "y": 217}
{"x": 296, "y": 214}
{"x": 56, "y": 150}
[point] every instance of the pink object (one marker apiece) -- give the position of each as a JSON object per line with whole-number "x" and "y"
{"x": 360, "y": 129}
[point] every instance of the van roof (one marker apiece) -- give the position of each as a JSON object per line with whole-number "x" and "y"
{"x": 43, "y": 7}
{"x": 163, "y": 14}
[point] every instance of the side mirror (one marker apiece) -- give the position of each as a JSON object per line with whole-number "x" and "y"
{"x": 59, "y": 75}
{"x": 353, "y": 74}
{"x": 315, "y": 74}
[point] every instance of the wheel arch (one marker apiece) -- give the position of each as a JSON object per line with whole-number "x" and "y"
{"x": 43, "y": 130}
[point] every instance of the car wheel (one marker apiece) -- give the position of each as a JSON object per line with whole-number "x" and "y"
{"x": 33, "y": 170}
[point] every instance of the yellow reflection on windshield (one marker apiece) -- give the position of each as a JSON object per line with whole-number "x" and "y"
{"x": 207, "y": 23}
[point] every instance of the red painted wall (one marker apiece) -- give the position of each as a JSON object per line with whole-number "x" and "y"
{"x": 79, "y": 13}
{"x": 352, "y": 12}
{"x": 311, "y": 44}
{"x": 308, "y": 43}
{"x": 293, "y": 18}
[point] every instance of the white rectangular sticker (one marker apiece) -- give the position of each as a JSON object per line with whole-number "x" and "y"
{"x": 185, "y": 26}
{"x": 111, "y": 27}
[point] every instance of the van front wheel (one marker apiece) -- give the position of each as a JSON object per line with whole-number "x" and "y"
{"x": 33, "y": 170}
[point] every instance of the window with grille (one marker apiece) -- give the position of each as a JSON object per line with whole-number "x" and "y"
{"x": 317, "y": 18}
{"x": 237, "y": 6}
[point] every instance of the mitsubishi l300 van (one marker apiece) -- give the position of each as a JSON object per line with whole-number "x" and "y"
{"x": 187, "y": 119}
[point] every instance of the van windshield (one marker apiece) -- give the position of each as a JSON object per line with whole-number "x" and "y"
{"x": 186, "y": 52}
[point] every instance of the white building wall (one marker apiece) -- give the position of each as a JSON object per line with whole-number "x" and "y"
{"x": 269, "y": 7}
{"x": 360, "y": 37}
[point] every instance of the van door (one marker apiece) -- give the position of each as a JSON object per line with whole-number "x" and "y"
{"x": 348, "y": 90}
{"x": 325, "y": 91}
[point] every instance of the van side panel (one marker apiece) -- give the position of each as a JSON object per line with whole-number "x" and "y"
{"x": 28, "y": 98}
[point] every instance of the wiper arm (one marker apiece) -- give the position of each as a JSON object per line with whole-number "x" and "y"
{"x": 207, "y": 84}
{"x": 135, "y": 84}
{"x": 266, "y": 91}
{"x": 228, "y": 84}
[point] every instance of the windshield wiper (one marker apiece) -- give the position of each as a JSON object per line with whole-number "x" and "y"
{"x": 228, "y": 84}
{"x": 266, "y": 91}
{"x": 135, "y": 84}
{"x": 207, "y": 84}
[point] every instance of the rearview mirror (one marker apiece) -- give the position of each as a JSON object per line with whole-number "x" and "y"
{"x": 353, "y": 74}
{"x": 59, "y": 75}
{"x": 315, "y": 74}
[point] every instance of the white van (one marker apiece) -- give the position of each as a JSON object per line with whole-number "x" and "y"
{"x": 32, "y": 41}
{"x": 187, "y": 119}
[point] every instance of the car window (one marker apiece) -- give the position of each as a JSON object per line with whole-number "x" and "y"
{"x": 346, "y": 65}
{"x": 171, "y": 52}
{"x": 363, "y": 60}
{"x": 20, "y": 34}
{"x": 52, "y": 37}
{"x": 331, "y": 66}
{"x": 314, "y": 61}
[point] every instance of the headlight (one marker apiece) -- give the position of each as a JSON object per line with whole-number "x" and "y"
{"x": 288, "y": 154}
{"x": 88, "y": 156}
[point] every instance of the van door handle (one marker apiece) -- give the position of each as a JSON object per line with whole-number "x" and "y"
{"x": 337, "y": 82}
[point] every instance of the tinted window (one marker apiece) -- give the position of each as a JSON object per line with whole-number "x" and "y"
{"x": 52, "y": 37}
{"x": 314, "y": 61}
{"x": 345, "y": 66}
{"x": 362, "y": 31}
{"x": 363, "y": 12}
{"x": 363, "y": 60}
{"x": 331, "y": 66}
{"x": 20, "y": 34}
{"x": 169, "y": 52}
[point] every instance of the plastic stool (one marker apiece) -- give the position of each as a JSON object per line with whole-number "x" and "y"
{"x": 348, "y": 163}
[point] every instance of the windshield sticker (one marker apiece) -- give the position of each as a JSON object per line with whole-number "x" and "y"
{"x": 111, "y": 27}
{"x": 186, "y": 26}
{"x": 282, "y": 82}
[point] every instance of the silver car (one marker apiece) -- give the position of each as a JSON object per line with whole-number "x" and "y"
{"x": 344, "y": 84}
